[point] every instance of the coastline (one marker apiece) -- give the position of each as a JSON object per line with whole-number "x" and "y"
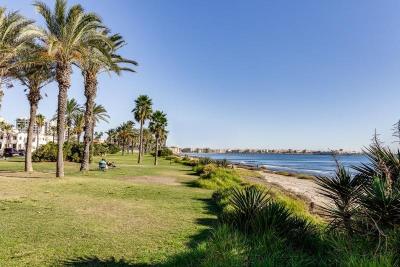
{"x": 298, "y": 185}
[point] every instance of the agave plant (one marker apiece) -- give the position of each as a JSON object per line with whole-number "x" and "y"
{"x": 247, "y": 203}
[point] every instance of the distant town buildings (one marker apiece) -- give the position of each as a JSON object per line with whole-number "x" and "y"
{"x": 17, "y": 137}
{"x": 188, "y": 150}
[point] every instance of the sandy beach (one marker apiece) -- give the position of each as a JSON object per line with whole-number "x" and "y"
{"x": 305, "y": 189}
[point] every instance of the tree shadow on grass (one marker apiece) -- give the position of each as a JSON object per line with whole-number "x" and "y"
{"x": 95, "y": 261}
{"x": 210, "y": 222}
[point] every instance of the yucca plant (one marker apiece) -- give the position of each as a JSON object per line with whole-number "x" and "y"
{"x": 381, "y": 206}
{"x": 343, "y": 191}
{"x": 383, "y": 163}
{"x": 246, "y": 204}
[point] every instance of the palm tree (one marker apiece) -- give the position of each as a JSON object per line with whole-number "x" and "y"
{"x": 125, "y": 132}
{"x": 99, "y": 114}
{"x": 142, "y": 112}
{"x": 7, "y": 129}
{"x": 79, "y": 124}
{"x": 34, "y": 77}
{"x": 73, "y": 108}
{"x": 95, "y": 62}
{"x": 157, "y": 126}
{"x": 111, "y": 135}
{"x": 15, "y": 32}
{"x": 39, "y": 120}
{"x": 68, "y": 34}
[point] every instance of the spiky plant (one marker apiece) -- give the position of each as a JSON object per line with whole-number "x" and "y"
{"x": 381, "y": 206}
{"x": 343, "y": 191}
{"x": 382, "y": 162}
{"x": 247, "y": 203}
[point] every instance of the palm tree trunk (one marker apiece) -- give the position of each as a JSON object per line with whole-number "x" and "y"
{"x": 68, "y": 132}
{"x": 123, "y": 147}
{"x": 78, "y": 137}
{"x": 63, "y": 77}
{"x": 140, "y": 142}
{"x": 90, "y": 94}
{"x": 156, "y": 155}
{"x": 33, "y": 98}
{"x": 92, "y": 143}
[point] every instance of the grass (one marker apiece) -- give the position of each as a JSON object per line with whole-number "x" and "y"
{"x": 46, "y": 221}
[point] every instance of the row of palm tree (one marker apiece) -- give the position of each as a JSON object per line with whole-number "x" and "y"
{"x": 143, "y": 111}
{"x": 37, "y": 55}
{"x": 126, "y": 135}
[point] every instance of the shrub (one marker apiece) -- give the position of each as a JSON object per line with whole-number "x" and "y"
{"x": 223, "y": 163}
{"x": 47, "y": 152}
{"x": 100, "y": 149}
{"x": 113, "y": 149}
{"x": 165, "y": 152}
{"x": 225, "y": 248}
{"x": 74, "y": 152}
{"x": 205, "y": 161}
{"x": 215, "y": 178}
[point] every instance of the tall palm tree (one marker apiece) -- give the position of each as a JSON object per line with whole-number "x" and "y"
{"x": 95, "y": 62}
{"x": 157, "y": 126}
{"x": 142, "y": 112}
{"x": 73, "y": 108}
{"x": 40, "y": 120}
{"x": 34, "y": 77}
{"x": 15, "y": 32}
{"x": 68, "y": 34}
{"x": 79, "y": 124}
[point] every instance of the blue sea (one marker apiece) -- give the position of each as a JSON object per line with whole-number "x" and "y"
{"x": 298, "y": 163}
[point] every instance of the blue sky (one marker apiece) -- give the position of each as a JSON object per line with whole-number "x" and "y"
{"x": 257, "y": 74}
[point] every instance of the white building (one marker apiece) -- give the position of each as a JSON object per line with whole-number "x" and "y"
{"x": 17, "y": 137}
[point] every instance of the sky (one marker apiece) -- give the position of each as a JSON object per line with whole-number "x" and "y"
{"x": 248, "y": 74}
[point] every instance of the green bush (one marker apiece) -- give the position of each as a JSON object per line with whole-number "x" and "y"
{"x": 113, "y": 149}
{"x": 48, "y": 152}
{"x": 164, "y": 152}
{"x": 215, "y": 178}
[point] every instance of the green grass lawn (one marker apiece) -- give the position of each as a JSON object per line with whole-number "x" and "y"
{"x": 142, "y": 213}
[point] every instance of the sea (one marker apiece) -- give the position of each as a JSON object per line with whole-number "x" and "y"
{"x": 314, "y": 164}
